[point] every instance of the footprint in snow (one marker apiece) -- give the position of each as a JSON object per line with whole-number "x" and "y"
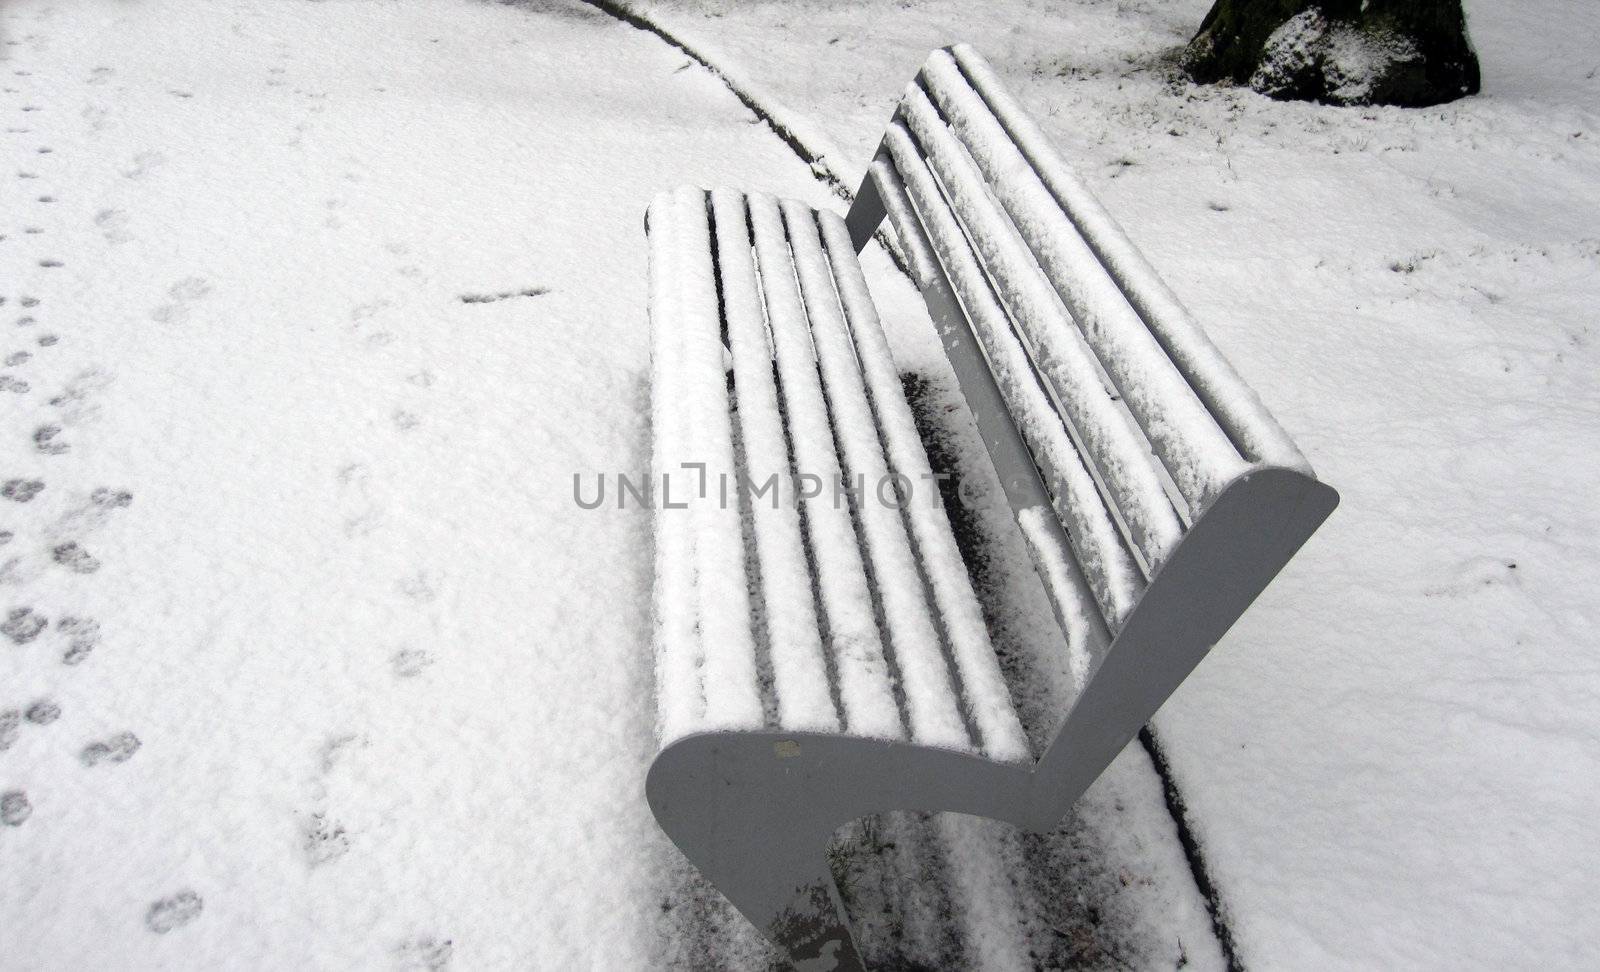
{"x": 22, "y": 625}
{"x": 425, "y": 954}
{"x": 173, "y": 912}
{"x": 73, "y": 557}
{"x": 43, "y": 712}
{"x": 143, "y": 164}
{"x": 117, "y": 749}
{"x": 418, "y": 587}
{"x": 83, "y": 636}
{"x": 45, "y": 440}
{"x": 14, "y": 808}
{"x": 181, "y": 295}
{"x": 21, "y": 490}
{"x": 324, "y": 841}
{"x": 113, "y": 225}
{"x": 410, "y": 662}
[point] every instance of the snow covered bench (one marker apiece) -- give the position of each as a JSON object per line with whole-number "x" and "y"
{"x": 820, "y": 653}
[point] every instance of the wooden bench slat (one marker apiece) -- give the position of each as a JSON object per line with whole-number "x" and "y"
{"x": 1196, "y": 452}
{"x": 983, "y": 688}
{"x": 1077, "y": 611}
{"x": 1235, "y": 405}
{"x": 1069, "y": 358}
{"x": 676, "y": 602}
{"x": 933, "y": 711}
{"x": 869, "y": 706}
{"x": 1111, "y": 569}
{"x": 727, "y": 647}
{"x": 801, "y": 691}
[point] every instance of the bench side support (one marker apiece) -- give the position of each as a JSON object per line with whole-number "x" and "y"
{"x": 866, "y": 212}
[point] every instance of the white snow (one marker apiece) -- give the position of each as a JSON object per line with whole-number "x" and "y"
{"x": 799, "y": 672}
{"x": 980, "y": 682}
{"x": 1391, "y": 760}
{"x": 312, "y": 310}
{"x": 1112, "y": 572}
{"x": 727, "y": 651}
{"x": 391, "y": 688}
{"x": 933, "y": 710}
{"x": 1233, "y": 403}
{"x": 1102, "y": 324}
{"x": 858, "y": 653}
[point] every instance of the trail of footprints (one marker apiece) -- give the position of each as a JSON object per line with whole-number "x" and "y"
{"x": 46, "y": 526}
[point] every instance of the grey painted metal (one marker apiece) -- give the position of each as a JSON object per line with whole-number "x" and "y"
{"x": 755, "y": 810}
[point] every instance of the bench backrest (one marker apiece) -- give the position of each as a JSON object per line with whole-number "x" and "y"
{"x": 1132, "y": 419}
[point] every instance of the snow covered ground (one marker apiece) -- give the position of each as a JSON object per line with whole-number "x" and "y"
{"x": 311, "y": 311}
{"x": 1393, "y": 760}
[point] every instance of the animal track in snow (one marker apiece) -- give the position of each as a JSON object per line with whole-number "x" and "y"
{"x": 143, "y": 164}
{"x": 89, "y": 516}
{"x": 44, "y": 440}
{"x": 43, "y": 712}
{"x": 21, "y": 490}
{"x": 73, "y": 557}
{"x": 425, "y": 954}
{"x": 83, "y": 637}
{"x": 410, "y": 662}
{"x": 418, "y": 587}
{"x": 324, "y": 841}
{"x": 10, "y": 724}
{"x": 181, "y": 294}
{"x": 22, "y": 625}
{"x": 117, "y": 749}
{"x": 76, "y": 400}
{"x": 14, "y": 808}
{"x": 113, "y": 225}
{"x": 173, "y": 912}
{"x": 361, "y": 514}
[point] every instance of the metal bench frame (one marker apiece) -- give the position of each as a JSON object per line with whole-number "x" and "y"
{"x": 754, "y": 809}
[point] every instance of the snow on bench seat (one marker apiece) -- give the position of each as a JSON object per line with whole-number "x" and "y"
{"x": 804, "y": 580}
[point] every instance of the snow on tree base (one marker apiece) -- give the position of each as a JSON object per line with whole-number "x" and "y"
{"x": 1312, "y": 58}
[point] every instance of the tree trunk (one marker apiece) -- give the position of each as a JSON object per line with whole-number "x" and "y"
{"x": 1347, "y": 52}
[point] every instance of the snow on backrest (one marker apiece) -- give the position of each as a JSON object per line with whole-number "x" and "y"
{"x": 1132, "y": 417}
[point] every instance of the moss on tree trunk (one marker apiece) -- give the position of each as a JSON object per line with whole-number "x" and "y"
{"x": 1392, "y": 52}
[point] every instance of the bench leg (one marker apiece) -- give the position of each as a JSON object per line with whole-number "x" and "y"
{"x": 755, "y": 811}
{"x": 866, "y": 213}
{"x": 813, "y": 927}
